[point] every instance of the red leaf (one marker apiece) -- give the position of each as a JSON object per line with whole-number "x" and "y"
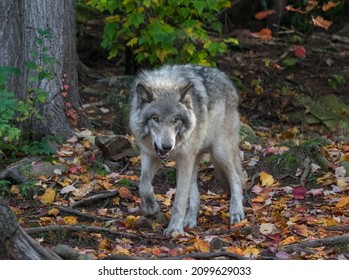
{"x": 299, "y": 192}
{"x": 73, "y": 170}
{"x": 299, "y": 51}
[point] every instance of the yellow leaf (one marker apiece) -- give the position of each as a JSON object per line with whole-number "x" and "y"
{"x": 250, "y": 251}
{"x": 342, "y": 202}
{"x": 266, "y": 179}
{"x": 53, "y": 211}
{"x": 14, "y": 189}
{"x": 328, "y": 222}
{"x": 167, "y": 202}
{"x": 234, "y": 250}
{"x": 130, "y": 220}
{"x": 70, "y": 220}
{"x": 201, "y": 245}
{"x": 132, "y": 42}
{"x": 104, "y": 244}
{"x": 48, "y": 197}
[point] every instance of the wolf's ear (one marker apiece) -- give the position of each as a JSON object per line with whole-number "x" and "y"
{"x": 186, "y": 94}
{"x": 144, "y": 94}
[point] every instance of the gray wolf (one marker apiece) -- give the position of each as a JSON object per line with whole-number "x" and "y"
{"x": 182, "y": 112}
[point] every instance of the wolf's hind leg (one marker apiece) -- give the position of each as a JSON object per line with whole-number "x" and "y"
{"x": 149, "y": 166}
{"x": 229, "y": 163}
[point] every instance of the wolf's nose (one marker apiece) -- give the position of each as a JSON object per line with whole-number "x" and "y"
{"x": 167, "y": 147}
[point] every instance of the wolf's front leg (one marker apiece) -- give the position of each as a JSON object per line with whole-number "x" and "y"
{"x": 149, "y": 166}
{"x": 184, "y": 174}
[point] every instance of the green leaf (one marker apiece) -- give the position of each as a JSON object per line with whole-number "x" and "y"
{"x": 289, "y": 61}
{"x": 136, "y": 19}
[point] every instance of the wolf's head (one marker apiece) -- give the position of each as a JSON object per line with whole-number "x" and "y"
{"x": 165, "y": 115}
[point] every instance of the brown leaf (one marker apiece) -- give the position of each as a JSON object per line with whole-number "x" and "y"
{"x": 264, "y": 14}
{"x": 201, "y": 245}
{"x": 329, "y": 5}
{"x": 342, "y": 202}
{"x": 125, "y": 193}
{"x": 264, "y": 34}
{"x": 321, "y": 22}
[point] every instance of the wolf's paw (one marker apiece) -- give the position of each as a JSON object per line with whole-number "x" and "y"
{"x": 190, "y": 221}
{"x": 150, "y": 208}
{"x": 172, "y": 231}
{"x": 236, "y": 217}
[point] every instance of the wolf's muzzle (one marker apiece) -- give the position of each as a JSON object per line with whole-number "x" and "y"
{"x": 163, "y": 153}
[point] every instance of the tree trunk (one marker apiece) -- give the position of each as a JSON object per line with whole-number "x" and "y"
{"x": 15, "y": 243}
{"x": 20, "y": 20}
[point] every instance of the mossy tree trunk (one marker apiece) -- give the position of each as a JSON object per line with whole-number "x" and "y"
{"x": 20, "y": 20}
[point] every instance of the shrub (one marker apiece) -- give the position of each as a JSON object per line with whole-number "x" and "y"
{"x": 159, "y": 31}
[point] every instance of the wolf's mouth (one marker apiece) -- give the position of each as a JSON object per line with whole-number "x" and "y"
{"x": 163, "y": 155}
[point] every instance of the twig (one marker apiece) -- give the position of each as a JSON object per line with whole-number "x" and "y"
{"x": 85, "y": 215}
{"x": 83, "y": 228}
{"x": 337, "y": 228}
{"x": 93, "y": 198}
{"x": 198, "y": 255}
{"x": 317, "y": 243}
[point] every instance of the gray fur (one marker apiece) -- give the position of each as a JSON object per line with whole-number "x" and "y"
{"x": 182, "y": 112}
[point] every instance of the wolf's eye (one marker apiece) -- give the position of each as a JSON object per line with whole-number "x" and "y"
{"x": 176, "y": 119}
{"x": 155, "y": 118}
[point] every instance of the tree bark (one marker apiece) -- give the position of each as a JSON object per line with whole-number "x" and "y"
{"x": 15, "y": 243}
{"x": 62, "y": 110}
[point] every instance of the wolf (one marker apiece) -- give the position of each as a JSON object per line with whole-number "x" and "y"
{"x": 182, "y": 112}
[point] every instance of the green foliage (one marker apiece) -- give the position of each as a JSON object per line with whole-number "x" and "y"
{"x": 28, "y": 188}
{"x": 4, "y": 188}
{"x": 297, "y": 153}
{"x": 335, "y": 80}
{"x": 161, "y": 31}
{"x": 14, "y": 111}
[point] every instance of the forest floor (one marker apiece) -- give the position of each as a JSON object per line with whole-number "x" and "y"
{"x": 294, "y": 96}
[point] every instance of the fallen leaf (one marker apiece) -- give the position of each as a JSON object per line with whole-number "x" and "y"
{"x": 264, "y": 14}
{"x": 67, "y": 189}
{"x": 299, "y": 51}
{"x": 70, "y": 220}
{"x": 299, "y": 192}
{"x": 316, "y": 192}
{"x": 342, "y": 202}
{"x": 250, "y": 252}
{"x": 267, "y": 228}
{"x": 125, "y": 193}
{"x": 130, "y": 221}
{"x": 235, "y": 250}
{"x": 289, "y": 240}
{"x": 266, "y": 179}
{"x": 48, "y": 197}
{"x": 329, "y": 5}
{"x": 53, "y": 211}
{"x": 321, "y": 22}
{"x": 265, "y": 34}
{"x": 201, "y": 245}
